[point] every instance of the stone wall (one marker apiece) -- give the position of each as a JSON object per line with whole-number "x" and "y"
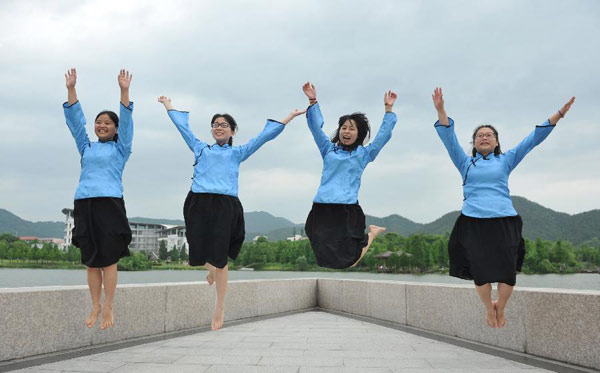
{"x": 50, "y": 319}
{"x": 558, "y": 324}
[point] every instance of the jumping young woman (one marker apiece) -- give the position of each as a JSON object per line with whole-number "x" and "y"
{"x": 214, "y": 217}
{"x": 486, "y": 244}
{"x": 101, "y": 229}
{"x": 336, "y": 223}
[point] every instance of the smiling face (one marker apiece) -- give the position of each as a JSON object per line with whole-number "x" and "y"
{"x": 221, "y": 130}
{"x": 348, "y": 133}
{"x": 485, "y": 140}
{"x": 105, "y": 128}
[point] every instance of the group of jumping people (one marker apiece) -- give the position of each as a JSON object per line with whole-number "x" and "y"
{"x": 485, "y": 246}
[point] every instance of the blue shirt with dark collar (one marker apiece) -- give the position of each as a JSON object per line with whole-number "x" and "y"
{"x": 485, "y": 179}
{"x": 216, "y": 167}
{"x": 343, "y": 169}
{"x": 102, "y": 163}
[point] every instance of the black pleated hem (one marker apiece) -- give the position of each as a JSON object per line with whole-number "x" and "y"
{"x": 336, "y": 233}
{"x": 215, "y": 228}
{"x": 487, "y": 250}
{"x": 101, "y": 231}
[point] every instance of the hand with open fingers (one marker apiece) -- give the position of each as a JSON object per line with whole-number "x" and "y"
{"x": 71, "y": 78}
{"x": 309, "y": 91}
{"x": 124, "y": 79}
{"x": 438, "y": 98}
{"x": 389, "y": 98}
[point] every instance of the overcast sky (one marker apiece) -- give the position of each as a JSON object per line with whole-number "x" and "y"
{"x": 507, "y": 63}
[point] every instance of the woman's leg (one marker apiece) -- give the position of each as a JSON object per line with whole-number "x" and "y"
{"x": 110, "y": 286}
{"x": 504, "y": 293}
{"x": 374, "y": 231}
{"x": 94, "y": 279}
{"x": 210, "y": 278}
{"x": 221, "y": 276}
{"x": 485, "y": 293}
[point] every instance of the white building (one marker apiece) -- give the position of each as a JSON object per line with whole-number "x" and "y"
{"x": 296, "y": 237}
{"x": 144, "y": 236}
{"x": 174, "y": 237}
{"x": 68, "y": 228}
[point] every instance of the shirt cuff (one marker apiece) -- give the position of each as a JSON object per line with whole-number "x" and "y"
{"x": 450, "y": 123}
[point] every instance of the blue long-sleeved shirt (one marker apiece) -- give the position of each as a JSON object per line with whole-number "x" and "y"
{"x": 485, "y": 179}
{"x": 216, "y": 167}
{"x": 343, "y": 169}
{"x": 102, "y": 163}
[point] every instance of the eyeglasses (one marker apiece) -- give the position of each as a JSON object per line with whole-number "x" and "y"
{"x": 222, "y": 125}
{"x": 486, "y": 135}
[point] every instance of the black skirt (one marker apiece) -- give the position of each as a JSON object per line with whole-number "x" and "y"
{"x": 487, "y": 250}
{"x": 214, "y": 228}
{"x": 101, "y": 230}
{"x": 336, "y": 233}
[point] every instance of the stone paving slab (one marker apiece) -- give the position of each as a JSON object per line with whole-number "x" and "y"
{"x": 305, "y": 342}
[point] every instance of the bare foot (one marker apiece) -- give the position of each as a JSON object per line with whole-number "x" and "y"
{"x": 93, "y": 317}
{"x": 375, "y": 230}
{"x": 210, "y": 278}
{"x": 217, "y": 320}
{"x": 490, "y": 314}
{"x": 108, "y": 319}
{"x": 500, "y": 319}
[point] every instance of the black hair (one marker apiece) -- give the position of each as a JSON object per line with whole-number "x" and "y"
{"x": 232, "y": 124}
{"x": 114, "y": 117}
{"x": 362, "y": 125}
{"x": 497, "y": 150}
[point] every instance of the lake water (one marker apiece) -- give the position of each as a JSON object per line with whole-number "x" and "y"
{"x": 21, "y": 277}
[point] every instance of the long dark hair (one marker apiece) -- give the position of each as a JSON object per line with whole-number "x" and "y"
{"x": 232, "y": 124}
{"x": 362, "y": 125}
{"x": 114, "y": 117}
{"x": 497, "y": 150}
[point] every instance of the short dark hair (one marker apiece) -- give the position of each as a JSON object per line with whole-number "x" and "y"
{"x": 114, "y": 117}
{"x": 497, "y": 150}
{"x": 232, "y": 124}
{"x": 362, "y": 125}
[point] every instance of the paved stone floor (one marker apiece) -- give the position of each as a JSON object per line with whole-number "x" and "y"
{"x": 304, "y": 342}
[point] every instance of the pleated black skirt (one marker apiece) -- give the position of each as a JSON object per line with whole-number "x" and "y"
{"x": 214, "y": 228}
{"x": 101, "y": 230}
{"x": 487, "y": 250}
{"x": 336, "y": 233}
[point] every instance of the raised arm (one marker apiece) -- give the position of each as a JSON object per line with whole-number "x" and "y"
{"x": 181, "y": 121}
{"x": 515, "y": 155}
{"x": 73, "y": 113}
{"x": 315, "y": 120}
{"x": 445, "y": 130}
{"x": 125, "y": 129}
{"x": 293, "y": 114}
{"x": 385, "y": 131}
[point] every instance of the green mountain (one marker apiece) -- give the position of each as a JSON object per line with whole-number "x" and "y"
{"x": 538, "y": 221}
{"x": 11, "y": 223}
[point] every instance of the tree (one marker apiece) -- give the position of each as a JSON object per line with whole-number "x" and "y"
{"x": 301, "y": 263}
{"x": 8, "y": 237}
{"x": 174, "y": 254}
{"x": 183, "y": 253}
{"x": 162, "y": 250}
